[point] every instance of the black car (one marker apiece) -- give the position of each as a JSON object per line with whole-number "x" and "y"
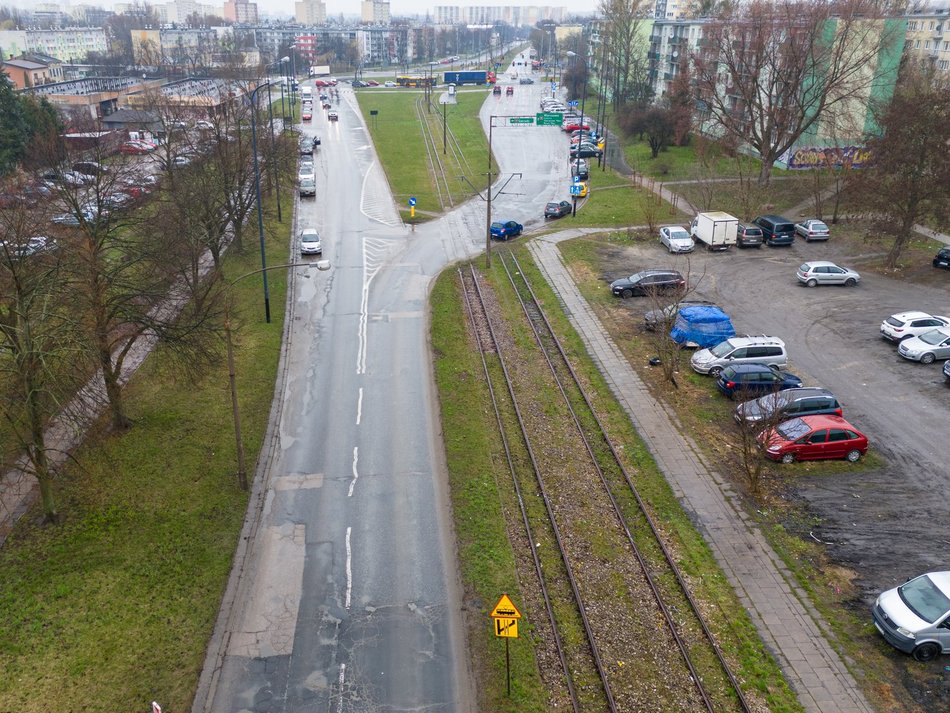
{"x": 557, "y": 210}
{"x": 496, "y": 89}
{"x": 647, "y": 282}
{"x": 749, "y": 236}
{"x": 942, "y": 258}
{"x": 791, "y": 403}
{"x": 581, "y": 168}
{"x": 586, "y": 151}
{"x": 746, "y": 381}
{"x": 776, "y": 230}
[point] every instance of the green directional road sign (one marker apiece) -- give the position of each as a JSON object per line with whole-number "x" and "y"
{"x": 547, "y": 118}
{"x": 520, "y": 119}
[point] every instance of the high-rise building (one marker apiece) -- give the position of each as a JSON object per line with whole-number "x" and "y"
{"x": 375, "y": 12}
{"x": 310, "y": 12}
{"x": 516, "y": 15}
{"x": 241, "y": 12}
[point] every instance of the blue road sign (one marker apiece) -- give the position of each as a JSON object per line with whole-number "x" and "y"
{"x": 576, "y": 189}
{"x": 412, "y": 201}
{"x": 572, "y": 103}
{"x": 553, "y": 86}
{"x": 577, "y": 179}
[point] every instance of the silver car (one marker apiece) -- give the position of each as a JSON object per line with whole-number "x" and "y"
{"x": 822, "y": 272}
{"x": 813, "y": 229}
{"x": 928, "y": 347}
{"x": 310, "y": 242}
{"x": 676, "y": 239}
{"x": 914, "y": 616}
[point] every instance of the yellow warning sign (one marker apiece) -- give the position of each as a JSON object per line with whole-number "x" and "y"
{"x": 506, "y": 628}
{"x": 505, "y": 609}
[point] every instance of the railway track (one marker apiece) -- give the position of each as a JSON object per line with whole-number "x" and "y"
{"x": 436, "y": 166}
{"x": 617, "y": 620}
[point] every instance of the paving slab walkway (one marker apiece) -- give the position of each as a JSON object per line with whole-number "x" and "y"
{"x": 792, "y": 630}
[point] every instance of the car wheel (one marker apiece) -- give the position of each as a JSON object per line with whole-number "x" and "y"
{"x": 626, "y": 293}
{"x": 927, "y": 358}
{"x": 788, "y": 458}
{"x": 850, "y": 282}
{"x": 811, "y": 283}
{"x": 926, "y": 652}
{"x": 853, "y": 456}
{"x": 715, "y": 372}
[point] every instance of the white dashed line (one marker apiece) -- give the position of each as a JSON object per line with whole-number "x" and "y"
{"x": 349, "y": 570}
{"x": 359, "y": 407}
{"x": 356, "y": 474}
{"x": 339, "y": 705}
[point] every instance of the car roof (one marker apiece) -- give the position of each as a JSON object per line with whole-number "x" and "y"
{"x": 826, "y": 420}
{"x": 754, "y": 340}
{"x": 801, "y": 392}
{"x": 911, "y": 314}
{"x": 820, "y": 263}
{"x": 753, "y": 367}
{"x": 309, "y": 231}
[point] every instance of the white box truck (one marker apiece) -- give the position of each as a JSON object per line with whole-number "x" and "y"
{"x": 717, "y": 230}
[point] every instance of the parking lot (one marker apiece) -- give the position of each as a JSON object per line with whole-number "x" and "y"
{"x": 887, "y": 523}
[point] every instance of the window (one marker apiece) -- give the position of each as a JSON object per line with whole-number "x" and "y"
{"x": 836, "y": 434}
{"x": 818, "y": 437}
{"x": 741, "y": 353}
{"x": 917, "y": 45}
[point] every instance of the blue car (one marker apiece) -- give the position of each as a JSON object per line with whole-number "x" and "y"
{"x": 749, "y": 381}
{"x": 506, "y": 231}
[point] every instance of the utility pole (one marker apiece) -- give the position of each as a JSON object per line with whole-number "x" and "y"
{"x": 491, "y": 125}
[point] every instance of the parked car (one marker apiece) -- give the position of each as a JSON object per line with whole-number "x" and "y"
{"x": 790, "y": 403}
{"x": 32, "y": 246}
{"x": 749, "y": 236}
{"x": 942, "y": 258}
{"x": 557, "y": 209}
{"x": 914, "y": 617}
{"x": 307, "y": 187}
{"x": 740, "y": 350}
{"x": 813, "y": 438}
{"x": 581, "y": 168}
{"x": 526, "y": 80}
{"x": 117, "y": 200}
{"x": 310, "y": 242}
{"x": 67, "y": 178}
{"x": 506, "y": 230}
{"x": 776, "y": 230}
{"x": 305, "y": 146}
{"x": 946, "y": 369}
{"x": 585, "y": 151}
{"x": 135, "y": 148}
{"x": 822, "y": 272}
{"x": 306, "y": 173}
{"x": 748, "y": 381}
{"x": 647, "y": 282}
{"x": 333, "y": 116}
{"x": 90, "y": 168}
{"x": 571, "y": 127}
{"x": 812, "y": 229}
{"x": 75, "y": 218}
{"x": 904, "y": 325}
{"x": 928, "y": 347}
{"x": 203, "y": 125}
{"x": 676, "y": 239}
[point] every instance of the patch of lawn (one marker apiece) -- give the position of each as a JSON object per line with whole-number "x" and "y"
{"x": 114, "y": 607}
{"x": 400, "y": 144}
{"x": 745, "y": 200}
{"x": 616, "y": 202}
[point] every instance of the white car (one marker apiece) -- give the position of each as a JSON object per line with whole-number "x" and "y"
{"x": 928, "y": 347}
{"x": 390, "y": 83}
{"x": 306, "y": 173}
{"x": 204, "y": 125}
{"x": 310, "y": 242}
{"x": 676, "y": 239}
{"x": 903, "y": 325}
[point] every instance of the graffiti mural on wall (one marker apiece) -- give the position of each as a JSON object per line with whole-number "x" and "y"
{"x": 827, "y": 156}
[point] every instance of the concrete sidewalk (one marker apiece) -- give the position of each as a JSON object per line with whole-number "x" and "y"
{"x": 780, "y": 610}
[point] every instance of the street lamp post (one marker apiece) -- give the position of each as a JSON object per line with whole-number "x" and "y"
{"x": 257, "y": 186}
{"x": 443, "y": 127}
{"x": 273, "y": 153}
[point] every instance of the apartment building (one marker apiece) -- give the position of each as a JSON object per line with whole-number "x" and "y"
{"x": 310, "y": 12}
{"x": 928, "y": 36}
{"x": 67, "y": 44}
{"x": 374, "y": 12}
{"x": 515, "y": 15}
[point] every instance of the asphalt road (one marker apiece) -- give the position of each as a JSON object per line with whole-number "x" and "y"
{"x": 888, "y": 523}
{"x": 350, "y": 598}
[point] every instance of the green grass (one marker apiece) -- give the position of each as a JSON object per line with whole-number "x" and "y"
{"x": 398, "y": 136}
{"x": 114, "y": 607}
{"x": 747, "y": 200}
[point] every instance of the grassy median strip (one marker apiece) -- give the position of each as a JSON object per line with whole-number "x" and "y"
{"x": 479, "y": 479}
{"x": 113, "y": 608}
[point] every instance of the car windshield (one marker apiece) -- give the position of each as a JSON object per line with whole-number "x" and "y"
{"x": 679, "y": 234}
{"x": 793, "y": 430}
{"x": 721, "y": 349}
{"x": 924, "y": 598}
{"x": 933, "y": 337}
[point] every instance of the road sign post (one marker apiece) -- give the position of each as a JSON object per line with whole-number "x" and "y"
{"x": 412, "y": 206}
{"x": 505, "y": 617}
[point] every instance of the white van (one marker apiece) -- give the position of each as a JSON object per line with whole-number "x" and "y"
{"x": 915, "y": 617}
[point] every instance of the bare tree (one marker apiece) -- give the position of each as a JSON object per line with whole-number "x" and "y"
{"x": 768, "y": 72}
{"x": 909, "y": 180}
{"x": 625, "y": 23}
{"x": 751, "y": 455}
{"x": 659, "y": 321}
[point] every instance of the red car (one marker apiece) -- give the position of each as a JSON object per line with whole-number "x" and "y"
{"x": 136, "y": 147}
{"x": 814, "y": 438}
{"x": 569, "y": 128}
{"x": 307, "y": 115}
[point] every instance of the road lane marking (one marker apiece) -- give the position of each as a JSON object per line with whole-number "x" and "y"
{"x": 359, "y": 407}
{"x": 339, "y": 705}
{"x": 349, "y": 570}
{"x": 356, "y": 474}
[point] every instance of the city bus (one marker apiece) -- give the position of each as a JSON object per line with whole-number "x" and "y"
{"x": 414, "y": 80}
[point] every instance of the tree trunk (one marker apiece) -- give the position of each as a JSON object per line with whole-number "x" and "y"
{"x": 900, "y": 242}
{"x": 765, "y": 173}
{"x": 36, "y": 449}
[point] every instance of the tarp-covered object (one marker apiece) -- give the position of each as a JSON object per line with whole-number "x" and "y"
{"x": 705, "y": 325}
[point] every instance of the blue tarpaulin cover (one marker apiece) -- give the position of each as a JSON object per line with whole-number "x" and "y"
{"x": 704, "y": 325}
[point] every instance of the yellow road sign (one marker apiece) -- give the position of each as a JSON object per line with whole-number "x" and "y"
{"x": 505, "y": 609}
{"x": 506, "y": 627}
